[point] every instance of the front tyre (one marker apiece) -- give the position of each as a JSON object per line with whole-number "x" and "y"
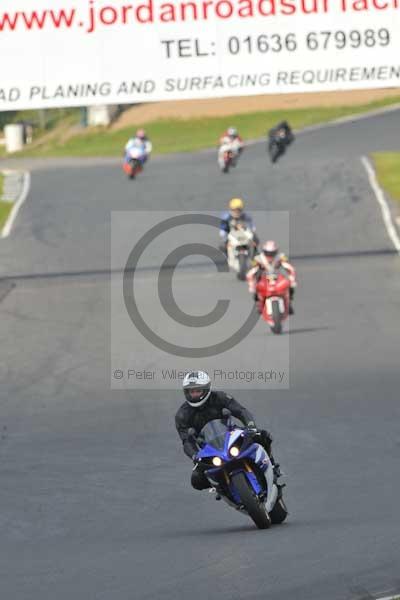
{"x": 252, "y": 504}
{"x": 276, "y": 315}
{"x": 135, "y": 168}
{"x": 274, "y": 152}
{"x": 242, "y": 259}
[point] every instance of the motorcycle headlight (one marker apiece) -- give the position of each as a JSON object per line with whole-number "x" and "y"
{"x": 216, "y": 461}
{"x": 234, "y": 451}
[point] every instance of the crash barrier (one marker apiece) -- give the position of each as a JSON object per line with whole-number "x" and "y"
{"x": 101, "y": 114}
{"x": 14, "y": 136}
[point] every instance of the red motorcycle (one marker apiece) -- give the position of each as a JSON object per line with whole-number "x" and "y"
{"x": 273, "y": 298}
{"x": 132, "y": 164}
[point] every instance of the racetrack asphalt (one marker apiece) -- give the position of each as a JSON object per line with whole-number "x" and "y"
{"x": 95, "y": 494}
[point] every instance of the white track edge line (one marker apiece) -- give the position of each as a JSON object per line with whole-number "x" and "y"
{"x": 386, "y": 214}
{"x": 5, "y": 232}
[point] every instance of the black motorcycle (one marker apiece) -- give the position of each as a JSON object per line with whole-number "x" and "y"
{"x": 279, "y": 138}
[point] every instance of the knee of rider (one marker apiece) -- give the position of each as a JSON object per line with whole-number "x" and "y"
{"x": 195, "y": 480}
{"x": 251, "y": 283}
{"x": 199, "y": 480}
{"x": 267, "y": 437}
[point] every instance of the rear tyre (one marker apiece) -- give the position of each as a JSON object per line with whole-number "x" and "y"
{"x": 242, "y": 267}
{"x": 279, "y": 513}
{"x": 252, "y": 504}
{"x": 276, "y": 315}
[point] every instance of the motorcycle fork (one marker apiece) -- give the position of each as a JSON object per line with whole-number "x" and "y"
{"x": 260, "y": 477}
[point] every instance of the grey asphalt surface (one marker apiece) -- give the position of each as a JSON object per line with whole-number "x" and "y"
{"x": 95, "y": 496}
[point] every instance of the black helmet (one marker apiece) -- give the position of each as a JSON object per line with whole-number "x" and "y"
{"x": 197, "y": 381}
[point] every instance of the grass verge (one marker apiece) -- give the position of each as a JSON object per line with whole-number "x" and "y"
{"x": 179, "y": 135}
{"x": 387, "y": 166}
{"x": 42, "y": 121}
{"x": 5, "y": 207}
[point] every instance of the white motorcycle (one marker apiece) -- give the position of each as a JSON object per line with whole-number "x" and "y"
{"x": 228, "y": 155}
{"x": 240, "y": 250}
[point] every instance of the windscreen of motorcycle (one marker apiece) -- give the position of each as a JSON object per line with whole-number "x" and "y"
{"x": 213, "y": 433}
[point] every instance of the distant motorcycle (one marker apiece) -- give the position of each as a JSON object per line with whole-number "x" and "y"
{"x": 230, "y": 156}
{"x": 240, "y": 470}
{"x": 274, "y": 297}
{"x": 279, "y": 138}
{"x": 133, "y": 162}
{"x": 240, "y": 249}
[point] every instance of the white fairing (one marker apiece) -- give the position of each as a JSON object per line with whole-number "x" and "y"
{"x": 230, "y": 146}
{"x": 237, "y": 238}
{"x": 279, "y": 300}
{"x": 262, "y": 458}
{"x": 135, "y": 153}
{"x": 226, "y": 148}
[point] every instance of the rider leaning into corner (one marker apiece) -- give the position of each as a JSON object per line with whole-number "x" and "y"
{"x": 230, "y": 218}
{"x": 202, "y": 405}
{"x": 268, "y": 261}
{"x": 142, "y": 143}
{"x": 229, "y": 140}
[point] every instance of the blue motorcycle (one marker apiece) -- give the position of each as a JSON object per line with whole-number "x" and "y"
{"x": 240, "y": 470}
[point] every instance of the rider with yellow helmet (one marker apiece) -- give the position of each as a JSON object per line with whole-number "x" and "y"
{"x": 231, "y": 217}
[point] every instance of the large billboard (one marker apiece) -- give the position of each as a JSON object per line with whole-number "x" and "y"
{"x": 84, "y": 52}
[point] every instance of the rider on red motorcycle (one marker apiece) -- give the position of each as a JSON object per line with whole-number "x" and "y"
{"x": 269, "y": 260}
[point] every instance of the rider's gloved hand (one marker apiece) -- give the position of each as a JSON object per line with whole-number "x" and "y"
{"x": 251, "y": 427}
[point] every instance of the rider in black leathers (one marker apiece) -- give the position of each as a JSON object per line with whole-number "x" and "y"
{"x": 203, "y": 405}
